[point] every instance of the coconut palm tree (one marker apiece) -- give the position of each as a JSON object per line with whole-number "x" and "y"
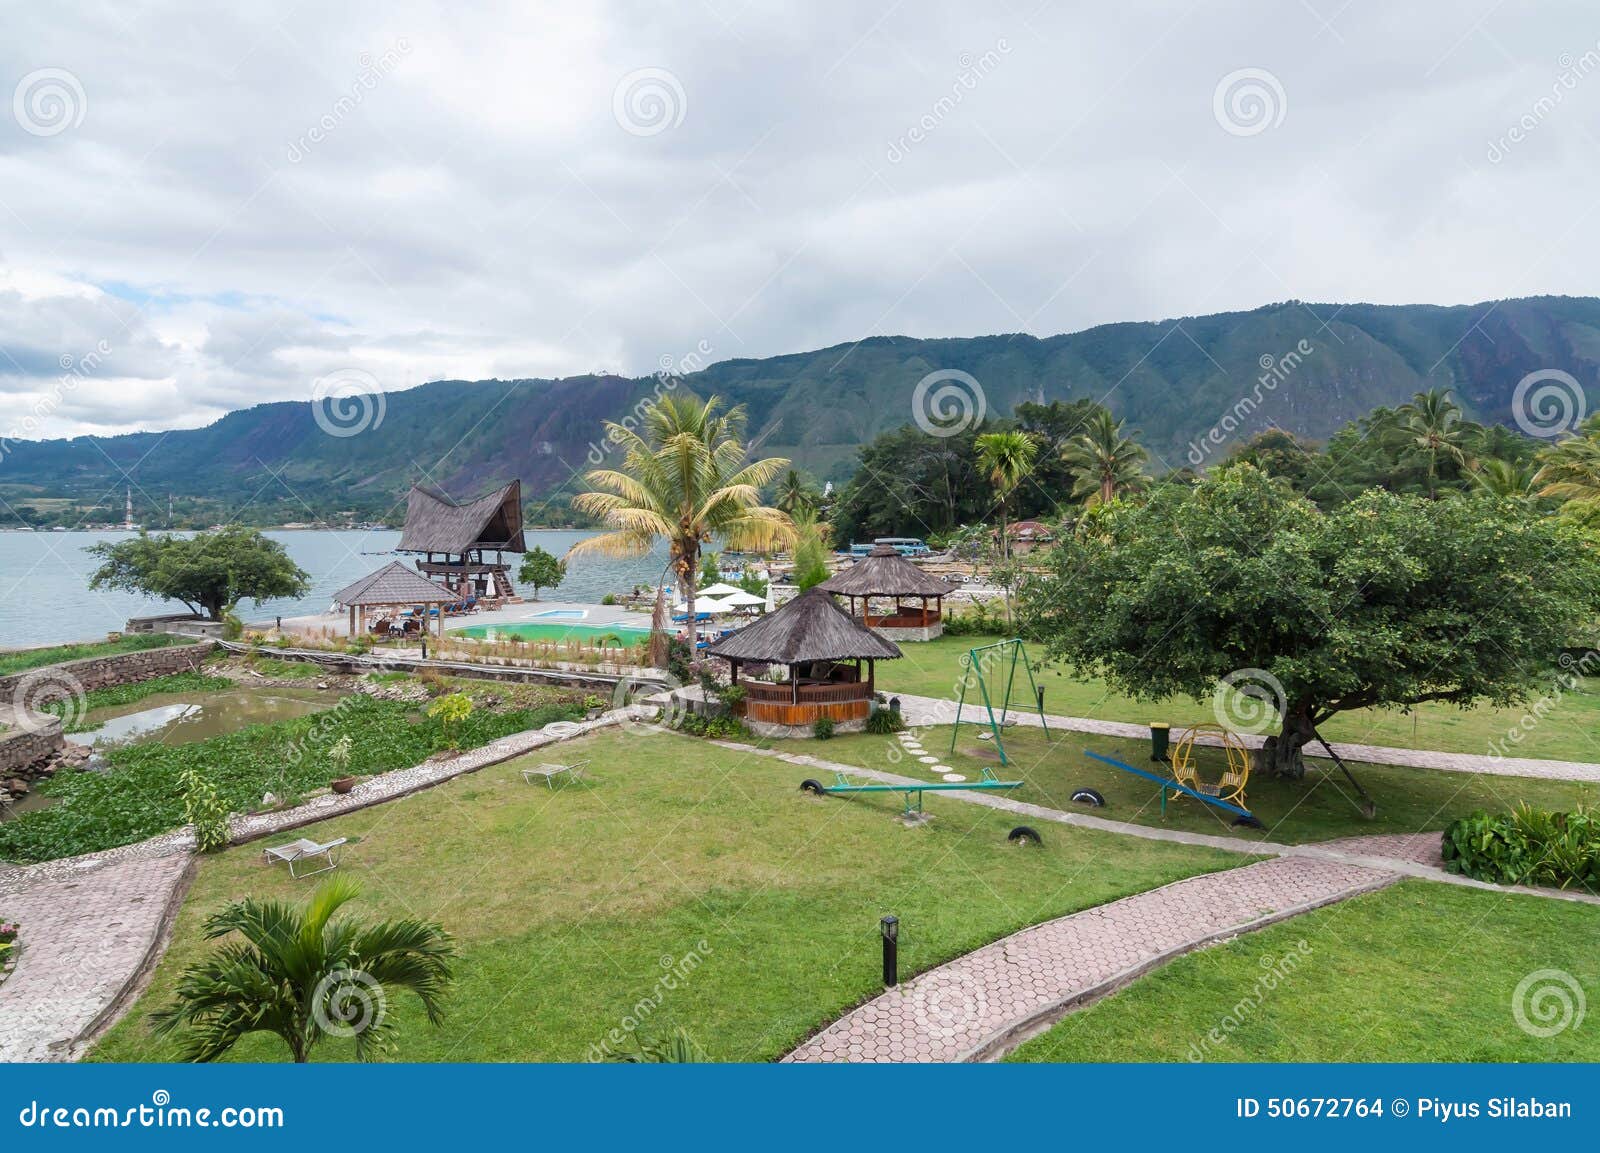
{"x": 795, "y": 493}
{"x": 1005, "y": 458}
{"x": 684, "y": 478}
{"x": 1569, "y": 471}
{"x": 1505, "y": 478}
{"x": 1432, "y": 427}
{"x": 303, "y": 976}
{"x": 1108, "y": 464}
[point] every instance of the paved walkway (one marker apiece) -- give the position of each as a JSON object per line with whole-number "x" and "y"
{"x": 83, "y": 941}
{"x": 980, "y": 1005}
{"x": 936, "y": 711}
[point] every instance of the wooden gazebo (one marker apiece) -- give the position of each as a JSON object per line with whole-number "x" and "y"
{"x": 462, "y": 535}
{"x": 393, "y": 587}
{"x": 829, "y": 657}
{"x": 885, "y": 574}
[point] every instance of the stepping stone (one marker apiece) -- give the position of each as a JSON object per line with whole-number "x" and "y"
{"x": 929, "y": 760}
{"x": 953, "y": 777}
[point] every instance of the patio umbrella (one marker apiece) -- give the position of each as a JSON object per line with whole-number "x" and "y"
{"x": 716, "y": 590}
{"x": 741, "y": 599}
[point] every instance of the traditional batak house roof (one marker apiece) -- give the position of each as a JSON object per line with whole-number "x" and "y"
{"x": 461, "y": 534}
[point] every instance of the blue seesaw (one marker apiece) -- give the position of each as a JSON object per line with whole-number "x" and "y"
{"x": 1243, "y": 816}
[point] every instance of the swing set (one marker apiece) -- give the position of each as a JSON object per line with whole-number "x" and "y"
{"x": 1003, "y": 656}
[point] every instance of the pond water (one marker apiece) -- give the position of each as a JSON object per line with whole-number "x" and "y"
{"x": 178, "y": 718}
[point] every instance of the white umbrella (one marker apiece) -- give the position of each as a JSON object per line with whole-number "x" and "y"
{"x": 739, "y": 598}
{"x": 704, "y": 605}
{"x": 716, "y": 590}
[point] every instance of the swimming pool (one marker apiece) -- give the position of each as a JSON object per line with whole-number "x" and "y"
{"x": 558, "y": 633}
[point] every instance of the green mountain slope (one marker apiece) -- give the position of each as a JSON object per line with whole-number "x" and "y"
{"x": 1172, "y": 379}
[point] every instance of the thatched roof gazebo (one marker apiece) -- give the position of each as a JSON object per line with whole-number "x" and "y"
{"x": 395, "y": 587}
{"x": 461, "y": 533}
{"x": 885, "y": 573}
{"x": 823, "y": 649}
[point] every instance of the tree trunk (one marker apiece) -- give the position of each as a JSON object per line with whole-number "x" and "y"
{"x": 1005, "y": 547}
{"x": 1281, "y": 755}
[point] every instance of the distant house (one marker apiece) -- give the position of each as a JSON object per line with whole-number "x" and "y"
{"x": 1027, "y": 535}
{"x": 456, "y": 538}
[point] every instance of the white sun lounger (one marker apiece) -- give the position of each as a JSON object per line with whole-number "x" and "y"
{"x": 550, "y": 772}
{"x": 303, "y": 850}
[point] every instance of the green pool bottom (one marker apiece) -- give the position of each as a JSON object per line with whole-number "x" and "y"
{"x": 556, "y": 633}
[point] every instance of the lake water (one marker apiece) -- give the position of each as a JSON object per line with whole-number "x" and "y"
{"x": 45, "y": 596}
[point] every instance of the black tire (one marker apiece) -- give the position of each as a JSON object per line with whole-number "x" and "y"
{"x": 1089, "y": 797}
{"x": 1023, "y": 835}
{"x": 812, "y": 787}
{"x": 1247, "y": 823}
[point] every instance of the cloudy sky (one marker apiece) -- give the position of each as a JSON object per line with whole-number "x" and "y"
{"x": 207, "y": 209}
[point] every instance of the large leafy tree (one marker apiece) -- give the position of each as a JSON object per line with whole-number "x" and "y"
{"x": 1108, "y": 463}
{"x": 209, "y": 571}
{"x": 541, "y": 569}
{"x": 302, "y": 975}
{"x": 1387, "y": 601}
{"x": 684, "y": 477}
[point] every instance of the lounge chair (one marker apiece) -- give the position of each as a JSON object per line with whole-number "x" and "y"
{"x": 302, "y": 850}
{"x": 551, "y": 771}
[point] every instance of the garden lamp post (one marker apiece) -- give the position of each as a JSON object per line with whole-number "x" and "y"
{"x": 889, "y": 927}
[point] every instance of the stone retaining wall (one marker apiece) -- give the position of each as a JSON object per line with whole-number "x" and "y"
{"x": 56, "y": 681}
{"x": 27, "y": 742}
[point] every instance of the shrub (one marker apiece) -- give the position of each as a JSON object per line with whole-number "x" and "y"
{"x": 979, "y": 620}
{"x": 203, "y": 808}
{"x": 882, "y": 722}
{"x": 450, "y": 711}
{"x": 609, "y": 599}
{"x": 1526, "y": 847}
{"x": 822, "y": 728}
{"x": 232, "y": 626}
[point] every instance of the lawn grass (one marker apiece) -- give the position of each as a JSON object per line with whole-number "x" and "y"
{"x": 570, "y": 906}
{"x": 24, "y": 659}
{"x": 1567, "y": 732}
{"x": 1317, "y": 808}
{"x": 1417, "y": 972}
{"x": 286, "y": 670}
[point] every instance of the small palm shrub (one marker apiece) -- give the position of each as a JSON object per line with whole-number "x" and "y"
{"x": 676, "y": 1048}
{"x": 301, "y": 975}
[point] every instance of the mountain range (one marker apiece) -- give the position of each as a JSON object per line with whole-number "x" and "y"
{"x": 1172, "y": 380}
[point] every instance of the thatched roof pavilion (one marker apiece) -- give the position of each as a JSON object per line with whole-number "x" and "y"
{"x": 885, "y": 573}
{"x": 461, "y": 533}
{"x": 394, "y": 586}
{"x": 823, "y": 649}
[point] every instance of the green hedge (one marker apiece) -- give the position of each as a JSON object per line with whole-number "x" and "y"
{"x": 138, "y": 794}
{"x": 1527, "y": 847}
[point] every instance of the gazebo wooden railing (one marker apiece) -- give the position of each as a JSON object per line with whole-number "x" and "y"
{"x": 903, "y": 617}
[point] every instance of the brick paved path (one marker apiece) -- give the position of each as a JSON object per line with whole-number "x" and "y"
{"x": 934, "y": 711}
{"x": 83, "y": 939}
{"x": 979, "y": 1005}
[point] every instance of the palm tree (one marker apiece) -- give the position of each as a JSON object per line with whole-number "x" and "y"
{"x": 303, "y": 976}
{"x": 683, "y": 478}
{"x": 1005, "y": 457}
{"x": 1505, "y": 478}
{"x": 795, "y": 494}
{"x": 1569, "y": 471}
{"x": 1432, "y": 426}
{"x": 1108, "y": 464}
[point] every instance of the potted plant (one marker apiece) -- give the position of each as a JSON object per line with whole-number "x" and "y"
{"x": 339, "y": 762}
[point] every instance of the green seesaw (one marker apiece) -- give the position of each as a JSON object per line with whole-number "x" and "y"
{"x": 988, "y": 781}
